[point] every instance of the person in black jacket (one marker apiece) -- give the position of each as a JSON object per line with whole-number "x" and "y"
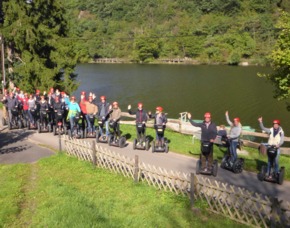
{"x": 208, "y": 135}
{"x": 103, "y": 113}
{"x": 141, "y": 119}
{"x": 160, "y": 121}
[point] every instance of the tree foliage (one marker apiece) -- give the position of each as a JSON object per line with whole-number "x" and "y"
{"x": 280, "y": 59}
{"x": 39, "y": 56}
{"x": 226, "y": 31}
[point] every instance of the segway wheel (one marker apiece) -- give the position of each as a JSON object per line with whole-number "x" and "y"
{"x": 65, "y": 130}
{"x": 262, "y": 174}
{"x": 238, "y": 166}
{"x": 69, "y": 133}
{"x": 38, "y": 127}
{"x": 85, "y": 133}
{"x": 153, "y": 146}
{"x": 198, "y": 167}
{"x": 147, "y": 145}
{"x": 97, "y": 136}
{"x": 134, "y": 144}
{"x": 54, "y": 130}
{"x": 28, "y": 125}
{"x": 215, "y": 168}
{"x": 9, "y": 125}
{"x": 19, "y": 124}
{"x": 122, "y": 142}
{"x": 166, "y": 148}
{"x": 49, "y": 128}
{"x": 110, "y": 139}
{"x": 281, "y": 175}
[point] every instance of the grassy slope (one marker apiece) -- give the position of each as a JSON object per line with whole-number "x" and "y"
{"x": 62, "y": 192}
{"x": 183, "y": 144}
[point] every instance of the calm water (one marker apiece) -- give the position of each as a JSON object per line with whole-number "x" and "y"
{"x": 196, "y": 89}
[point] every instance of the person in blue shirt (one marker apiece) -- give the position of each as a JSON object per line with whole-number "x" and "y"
{"x": 73, "y": 109}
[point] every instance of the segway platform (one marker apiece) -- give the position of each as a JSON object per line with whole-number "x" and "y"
{"x": 236, "y": 167}
{"x": 119, "y": 142}
{"x": 141, "y": 145}
{"x": 274, "y": 177}
{"x": 162, "y": 148}
{"x": 209, "y": 170}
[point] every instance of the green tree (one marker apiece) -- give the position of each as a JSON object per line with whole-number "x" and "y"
{"x": 39, "y": 53}
{"x": 280, "y": 59}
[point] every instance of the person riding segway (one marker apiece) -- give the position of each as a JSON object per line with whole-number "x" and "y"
{"x": 206, "y": 165}
{"x": 59, "y": 125}
{"x": 160, "y": 120}
{"x": 74, "y": 117}
{"x": 142, "y": 142}
{"x": 103, "y": 116}
{"x": 33, "y": 114}
{"x": 43, "y": 123}
{"x": 230, "y": 160}
{"x": 271, "y": 172}
{"x": 91, "y": 110}
{"x": 12, "y": 105}
{"x": 115, "y": 139}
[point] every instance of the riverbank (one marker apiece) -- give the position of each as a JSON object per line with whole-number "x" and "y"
{"x": 179, "y": 61}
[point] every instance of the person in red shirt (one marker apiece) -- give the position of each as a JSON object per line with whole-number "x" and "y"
{"x": 83, "y": 109}
{"x": 25, "y": 106}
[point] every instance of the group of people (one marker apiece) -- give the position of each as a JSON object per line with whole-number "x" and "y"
{"x": 209, "y": 133}
{"x": 55, "y": 100}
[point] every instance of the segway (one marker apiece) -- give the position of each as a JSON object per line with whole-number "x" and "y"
{"x": 42, "y": 123}
{"x": 91, "y": 134}
{"x": 160, "y": 144}
{"x": 237, "y": 166}
{"x": 33, "y": 125}
{"x": 101, "y": 132}
{"x": 15, "y": 122}
{"x": 60, "y": 126}
{"x": 114, "y": 138}
{"x": 272, "y": 176}
{"x": 76, "y": 131}
{"x": 206, "y": 148}
{"x": 141, "y": 144}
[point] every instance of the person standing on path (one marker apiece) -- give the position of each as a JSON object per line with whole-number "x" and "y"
{"x": 208, "y": 135}
{"x": 234, "y": 136}
{"x": 276, "y": 138}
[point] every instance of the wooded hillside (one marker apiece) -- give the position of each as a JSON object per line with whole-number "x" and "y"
{"x": 210, "y": 31}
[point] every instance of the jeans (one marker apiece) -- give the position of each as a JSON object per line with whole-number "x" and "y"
{"x": 107, "y": 128}
{"x": 276, "y": 165}
{"x": 233, "y": 150}
{"x": 91, "y": 126}
{"x": 71, "y": 121}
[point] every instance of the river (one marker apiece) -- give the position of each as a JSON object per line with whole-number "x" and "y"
{"x": 196, "y": 89}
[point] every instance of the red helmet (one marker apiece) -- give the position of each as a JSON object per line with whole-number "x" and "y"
{"x": 51, "y": 89}
{"x": 103, "y": 97}
{"x": 83, "y": 93}
{"x": 276, "y": 122}
{"x": 62, "y": 92}
{"x": 140, "y": 104}
{"x": 207, "y": 115}
{"x": 237, "y": 119}
{"x": 37, "y": 91}
{"x": 17, "y": 89}
{"x": 160, "y": 109}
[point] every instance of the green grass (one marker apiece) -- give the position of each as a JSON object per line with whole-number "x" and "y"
{"x": 61, "y": 191}
{"x": 183, "y": 144}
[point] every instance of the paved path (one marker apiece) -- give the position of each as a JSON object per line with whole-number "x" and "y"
{"x": 15, "y": 148}
{"x": 177, "y": 162}
{"x": 170, "y": 161}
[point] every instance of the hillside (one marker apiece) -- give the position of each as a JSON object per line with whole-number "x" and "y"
{"x": 215, "y": 31}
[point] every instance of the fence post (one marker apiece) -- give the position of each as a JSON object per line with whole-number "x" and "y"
{"x": 276, "y": 213}
{"x": 192, "y": 186}
{"x": 94, "y": 154}
{"x": 136, "y": 168}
